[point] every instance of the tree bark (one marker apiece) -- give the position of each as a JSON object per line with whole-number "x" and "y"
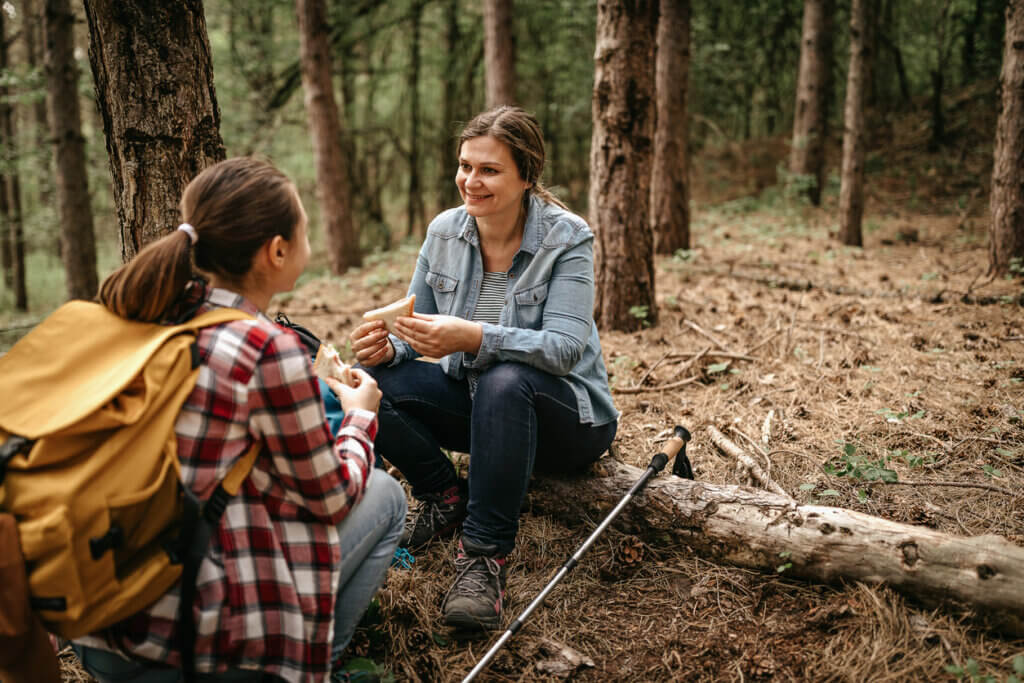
{"x": 810, "y": 120}
{"x": 620, "y": 161}
{"x": 34, "y": 50}
{"x": 670, "y": 195}
{"x": 1006, "y": 234}
{"x": 499, "y": 53}
{"x": 152, "y": 69}
{"x": 851, "y": 188}
{"x": 14, "y": 242}
{"x": 414, "y": 201}
{"x": 78, "y": 242}
{"x": 756, "y": 529}
{"x": 447, "y": 191}
{"x": 325, "y": 129}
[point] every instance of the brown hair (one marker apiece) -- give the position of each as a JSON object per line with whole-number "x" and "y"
{"x": 235, "y": 206}
{"x": 519, "y": 130}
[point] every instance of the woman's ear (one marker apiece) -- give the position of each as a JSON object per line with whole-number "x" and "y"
{"x": 276, "y": 251}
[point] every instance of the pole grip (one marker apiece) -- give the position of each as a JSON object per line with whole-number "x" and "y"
{"x": 672, "y": 447}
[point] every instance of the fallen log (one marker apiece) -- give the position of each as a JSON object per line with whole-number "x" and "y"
{"x": 757, "y": 529}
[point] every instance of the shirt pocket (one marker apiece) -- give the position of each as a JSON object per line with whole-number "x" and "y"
{"x": 443, "y": 287}
{"x": 530, "y": 306}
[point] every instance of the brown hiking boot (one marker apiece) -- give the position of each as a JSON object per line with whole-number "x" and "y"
{"x": 475, "y": 600}
{"x": 437, "y": 515}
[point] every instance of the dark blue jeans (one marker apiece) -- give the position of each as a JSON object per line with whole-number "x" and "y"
{"x": 520, "y": 418}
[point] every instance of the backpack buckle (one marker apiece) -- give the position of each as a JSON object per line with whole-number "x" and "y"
{"x": 12, "y": 447}
{"x": 108, "y": 541}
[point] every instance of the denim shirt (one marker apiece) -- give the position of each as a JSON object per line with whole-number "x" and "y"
{"x": 547, "y": 321}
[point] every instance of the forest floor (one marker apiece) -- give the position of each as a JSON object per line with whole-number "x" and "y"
{"x": 900, "y": 356}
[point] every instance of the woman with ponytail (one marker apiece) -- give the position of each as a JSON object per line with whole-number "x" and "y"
{"x": 303, "y": 547}
{"x": 504, "y": 289}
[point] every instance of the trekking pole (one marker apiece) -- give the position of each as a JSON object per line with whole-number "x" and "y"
{"x": 678, "y": 442}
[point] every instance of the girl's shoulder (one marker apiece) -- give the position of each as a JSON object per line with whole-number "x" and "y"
{"x": 449, "y": 223}
{"x": 559, "y": 227}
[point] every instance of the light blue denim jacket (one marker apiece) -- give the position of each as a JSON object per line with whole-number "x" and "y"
{"x": 548, "y": 317}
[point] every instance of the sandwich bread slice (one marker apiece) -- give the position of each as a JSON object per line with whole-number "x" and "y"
{"x": 329, "y": 364}
{"x": 392, "y": 311}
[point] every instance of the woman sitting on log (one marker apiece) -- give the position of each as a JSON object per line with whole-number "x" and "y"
{"x": 504, "y": 291}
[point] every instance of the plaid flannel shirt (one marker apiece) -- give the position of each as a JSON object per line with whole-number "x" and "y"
{"x": 268, "y": 584}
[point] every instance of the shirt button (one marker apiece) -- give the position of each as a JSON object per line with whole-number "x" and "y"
{"x": 511, "y": 275}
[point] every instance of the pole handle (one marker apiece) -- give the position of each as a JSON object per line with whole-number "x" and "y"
{"x": 676, "y": 443}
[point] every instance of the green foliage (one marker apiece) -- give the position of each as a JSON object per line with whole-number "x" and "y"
{"x": 860, "y": 468}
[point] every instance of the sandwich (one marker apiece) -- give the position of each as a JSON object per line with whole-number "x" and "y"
{"x": 329, "y": 364}
{"x": 392, "y": 311}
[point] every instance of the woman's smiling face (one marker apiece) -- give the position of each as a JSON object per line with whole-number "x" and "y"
{"x": 489, "y": 180}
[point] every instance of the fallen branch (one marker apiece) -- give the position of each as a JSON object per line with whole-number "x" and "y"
{"x": 661, "y": 387}
{"x": 730, "y": 448}
{"x": 752, "y": 528}
{"x": 704, "y": 333}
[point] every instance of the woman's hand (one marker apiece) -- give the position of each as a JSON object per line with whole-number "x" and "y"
{"x": 363, "y": 394}
{"x": 438, "y": 335}
{"x": 371, "y": 345}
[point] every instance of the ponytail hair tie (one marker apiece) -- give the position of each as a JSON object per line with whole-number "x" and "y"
{"x": 190, "y": 231}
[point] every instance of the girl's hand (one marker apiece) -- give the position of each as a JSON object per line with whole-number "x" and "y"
{"x": 438, "y": 335}
{"x": 371, "y": 345}
{"x": 363, "y": 394}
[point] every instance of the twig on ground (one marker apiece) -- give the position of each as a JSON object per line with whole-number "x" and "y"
{"x": 955, "y": 484}
{"x": 764, "y": 341}
{"x": 730, "y": 448}
{"x": 660, "y": 387}
{"x": 708, "y": 351}
{"x": 685, "y": 366}
{"x": 701, "y": 331}
{"x": 651, "y": 369}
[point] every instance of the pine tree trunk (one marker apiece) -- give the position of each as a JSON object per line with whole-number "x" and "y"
{"x": 670, "y": 195}
{"x": 448, "y": 192}
{"x": 152, "y": 69}
{"x": 78, "y": 243}
{"x": 851, "y": 189}
{"x": 325, "y": 130}
{"x": 34, "y": 50}
{"x": 414, "y": 200}
{"x": 807, "y": 156}
{"x": 15, "y": 233}
{"x": 499, "y": 53}
{"x": 621, "y": 153}
{"x": 1006, "y": 236}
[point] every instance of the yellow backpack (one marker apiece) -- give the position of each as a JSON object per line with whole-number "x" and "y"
{"x": 89, "y": 466}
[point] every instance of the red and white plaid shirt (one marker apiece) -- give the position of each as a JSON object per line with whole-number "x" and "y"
{"x": 268, "y": 584}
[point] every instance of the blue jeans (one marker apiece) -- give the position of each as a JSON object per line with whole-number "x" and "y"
{"x": 369, "y": 536}
{"x": 520, "y": 418}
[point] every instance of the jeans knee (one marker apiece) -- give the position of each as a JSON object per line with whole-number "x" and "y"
{"x": 503, "y": 379}
{"x": 391, "y": 494}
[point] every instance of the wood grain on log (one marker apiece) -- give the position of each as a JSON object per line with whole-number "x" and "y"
{"x": 758, "y": 529}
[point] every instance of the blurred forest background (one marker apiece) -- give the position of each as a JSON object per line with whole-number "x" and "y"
{"x": 406, "y": 73}
{"x": 817, "y": 212}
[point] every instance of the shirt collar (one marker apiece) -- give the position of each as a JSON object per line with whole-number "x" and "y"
{"x": 532, "y": 232}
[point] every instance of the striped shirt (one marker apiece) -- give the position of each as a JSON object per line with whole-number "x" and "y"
{"x": 268, "y": 585}
{"x": 488, "y": 310}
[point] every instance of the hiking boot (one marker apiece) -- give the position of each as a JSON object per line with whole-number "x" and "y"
{"x": 476, "y": 597}
{"x": 437, "y": 515}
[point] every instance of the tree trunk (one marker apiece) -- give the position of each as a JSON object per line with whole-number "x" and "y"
{"x": 810, "y": 120}
{"x": 325, "y": 130}
{"x": 447, "y": 191}
{"x": 78, "y": 243}
{"x": 499, "y": 53}
{"x": 670, "y": 194}
{"x": 154, "y": 87}
{"x": 1006, "y": 236}
{"x": 620, "y": 161}
{"x": 851, "y": 189}
{"x": 14, "y": 263}
{"x": 34, "y": 50}
{"x": 414, "y": 201}
{"x": 752, "y": 528}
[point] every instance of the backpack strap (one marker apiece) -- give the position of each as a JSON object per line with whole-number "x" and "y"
{"x": 204, "y": 520}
